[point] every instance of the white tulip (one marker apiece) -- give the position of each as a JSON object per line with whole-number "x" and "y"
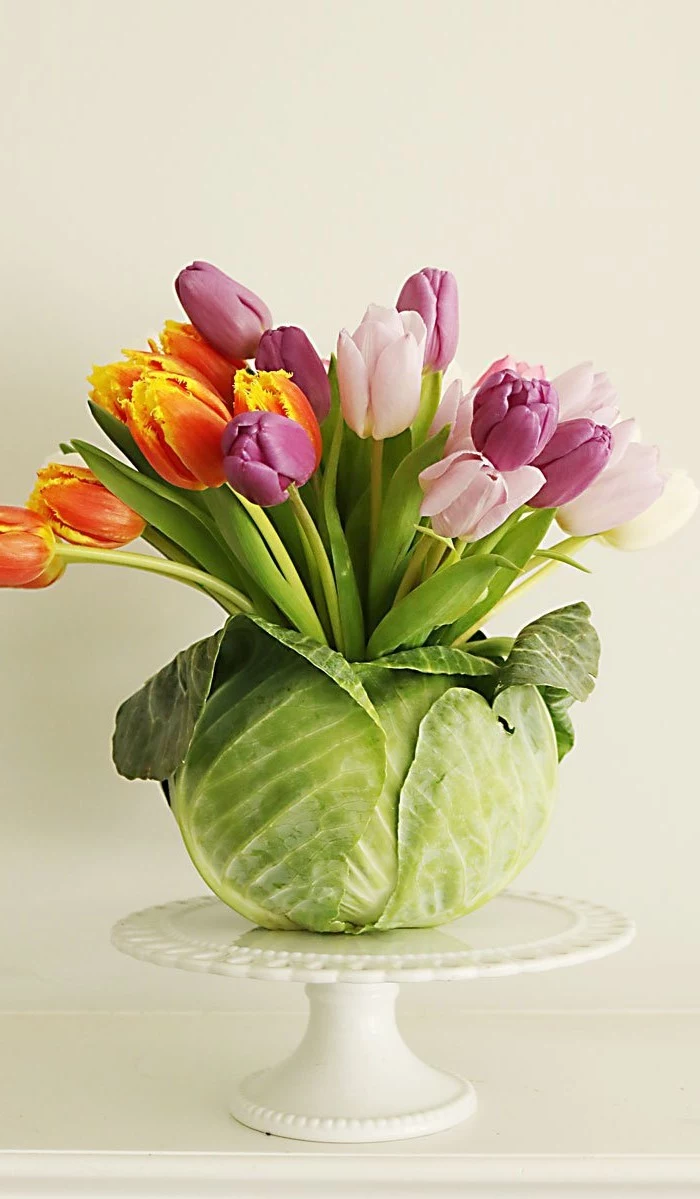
{"x": 673, "y": 509}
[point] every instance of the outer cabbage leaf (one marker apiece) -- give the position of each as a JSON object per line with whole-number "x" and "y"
{"x": 475, "y": 804}
{"x": 281, "y": 778}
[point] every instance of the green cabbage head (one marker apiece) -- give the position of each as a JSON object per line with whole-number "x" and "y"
{"x": 316, "y": 793}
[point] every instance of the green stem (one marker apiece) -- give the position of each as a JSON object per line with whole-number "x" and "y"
{"x": 375, "y": 482}
{"x": 316, "y": 583}
{"x": 160, "y": 566}
{"x": 435, "y": 557}
{"x": 414, "y": 568}
{"x": 313, "y": 537}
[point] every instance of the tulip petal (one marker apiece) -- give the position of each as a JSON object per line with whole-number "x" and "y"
{"x": 669, "y": 513}
{"x": 620, "y": 493}
{"x": 395, "y": 388}
{"x": 353, "y": 383}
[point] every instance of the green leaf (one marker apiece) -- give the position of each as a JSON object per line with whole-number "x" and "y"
{"x": 154, "y": 727}
{"x": 560, "y": 649}
{"x": 280, "y": 781}
{"x": 66, "y": 448}
{"x": 400, "y": 512}
{"x": 349, "y": 602}
{"x": 119, "y": 435}
{"x": 558, "y": 702}
{"x": 475, "y": 804}
{"x": 357, "y": 535}
{"x": 437, "y": 601}
{"x": 432, "y": 659}
{"x": 163, "y": 507}
{"x": 517, "y": 545}
{"x": 554, "y": 555}
{"x": 430, "y": 392}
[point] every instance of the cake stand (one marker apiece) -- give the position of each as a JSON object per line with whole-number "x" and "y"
{"x": 353, "y": 1078}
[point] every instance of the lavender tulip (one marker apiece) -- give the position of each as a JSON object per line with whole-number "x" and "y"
{"x": 573, "y": 457}
{"x": 629, "y": 484}
{"x": 229, "y": 316}
{"x": 264, "y": 453}
{"x": 289, "y": 349}
{"x": 514, "y": 418}
{"x": 379, "y": 372}
{"x": 466, "y": 496}
{"x": 433, "y": 295}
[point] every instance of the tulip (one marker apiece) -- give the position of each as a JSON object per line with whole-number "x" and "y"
{"x": 673, "y": 509}
{"x": 582, "y": 393}
{"x": 467, "y": 497}
{"x": 514, "y": 418}
{"x": 508, "y": 363}
{"x": 81, "y": 510}
{"x": 114, "y": 383}
{"x": 289, "y": 349}
{"x": 177, "y": 423}
{"x": 264, "y": 453}
{"x": 28, "y": 556}
{"x": 433, "y": 295}
{"x": 186, "y": 344}
{"x": 229, "y": 316}
{"x": 379, "y": 372}
{"x": 628, "y": 485}
{"x": 274, "y": 391}
{"x": 573, "y": 457}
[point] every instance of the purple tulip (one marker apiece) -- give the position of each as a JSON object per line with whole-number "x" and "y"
{"x": 514, "y": 418}
{"x": 573, "y": 457}
{"x": 228, "y": 316}
{"x": 264, "y": 453}
{"x": 289, "y": 349}
{"x": 433, "y": 294}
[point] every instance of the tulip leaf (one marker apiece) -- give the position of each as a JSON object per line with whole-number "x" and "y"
{"x": 437, "y": 601}
{"x": 154, "y": 727}
{"x": 474, "y": 806}
{"x": 119, "y": 435}
{"x": 554, "y": 555}
{"x": 349, "y": 602}
{"x": 400, "y": 513}
{"x": 559, "y": 650}
{"x": 154, "y": 500}
{"x": 517, "y": 546}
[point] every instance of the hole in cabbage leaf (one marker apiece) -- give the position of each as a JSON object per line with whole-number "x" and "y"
{"x": 508, "y": 727}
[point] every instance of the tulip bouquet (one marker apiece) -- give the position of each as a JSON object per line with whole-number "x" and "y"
{"x": 351, "y": 749}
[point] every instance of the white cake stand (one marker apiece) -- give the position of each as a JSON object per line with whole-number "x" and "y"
{"x": 353, "y": 1078}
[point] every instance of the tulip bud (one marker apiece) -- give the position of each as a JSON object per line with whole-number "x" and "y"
{"x": 629, "y": 484}
{"x": 289, "y": 349}
{"x": 274, "y": 391}
{"x": 380, "y": 370}
{"x": 186, "y": 344}
{"x": 177, "y": 423}
{"x": 264, "y": 453}
{"x": 673, "y": 509}
{"x": 466, "y": 496}
{"x": 228, "y": 315}
{"x": 573, "y": 457}
{"x": 28, "y": 556}
{"x": 81, "y": 510}
{"x": 514, "y": 418}
{"x": 433, "y": 295}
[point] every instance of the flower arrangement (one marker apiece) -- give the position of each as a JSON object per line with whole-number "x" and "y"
{"x": 351, "y": 749}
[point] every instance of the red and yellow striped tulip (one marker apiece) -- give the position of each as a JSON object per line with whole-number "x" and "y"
{"x": 273, "y": 391}
{"x": 113, "y": 384}
{"x": 27, "y": 550}
{"x": 182, "y": 341}
{"x": 177, "y": 422}
{"x": 81, "y": 510}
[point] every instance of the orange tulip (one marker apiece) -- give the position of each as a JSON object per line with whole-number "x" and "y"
{"x": 113, "y": 384}
{"x": 273, "y": 391}
{"x": 185, "y": 343}
{"x": 81, "y": 510}
{"x": 27, "y": 550}
{"x": 177, "y": 422}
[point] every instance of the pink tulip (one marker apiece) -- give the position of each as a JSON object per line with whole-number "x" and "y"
{"x": 629, "y": 484}
{"x": 583, "y": 393}
{"x": 467, "y": 497}
{"x": 379, "y": 372}
{"x": 456, "y": 411}
{"x": 508, "y": 363}
{"x": 432, "y": 293}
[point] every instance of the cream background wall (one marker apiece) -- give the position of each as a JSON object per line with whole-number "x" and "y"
{"x": 320, "y": 152}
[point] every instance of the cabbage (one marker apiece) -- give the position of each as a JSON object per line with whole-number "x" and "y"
{"x": 402, "y": 792}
